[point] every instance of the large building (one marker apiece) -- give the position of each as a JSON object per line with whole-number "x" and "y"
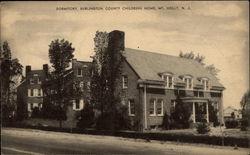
{"x": 150, "y": 85}
{"x": 231, "y": 113}
{"x": 152, "y": 82}
{"x": 31, "y": 93}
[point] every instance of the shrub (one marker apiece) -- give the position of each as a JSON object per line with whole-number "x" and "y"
{"x": 203, "y": 127}
{"x": 115, "y": 121}
{"x": 244, "y": 125}
{"x": 36, "y": 113}
{"x": 86, "y": 117}
{"x": 181, "y": 115}
{"x": 231, "y": 124}
{"x": 166, "y": 122}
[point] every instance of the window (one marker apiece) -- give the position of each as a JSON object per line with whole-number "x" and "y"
{"x": 189, "y": 82}
{"x": 79, "y": 72}
{"x": 125, "y": 81}
{"x": 31, "y": 80}
{"x": 169, "y": 80}
{"x": 88, "y": 85}
{"x": 31, "y": 92}
{"x": 196, "y": 93}
{"x": 205, "y": 84}
{"x": 201, "y": 94}
{"x": 77, "y": 104}
{"x": 152, "y": 107}
{"x": 40, "y": 105}
{"x": 216, "y": 105}
{"x": 39, "y": 80}
{"x": 81, "y": 85}
{"x": 31, "y": 106}
{"x": 39, "y": 92}
{"x": 159, "y": 107}
{"x": 156, "y": 108}
{"x": 35, "y": 78}
{"x": 131, "y": 107}
{"x": 35, "y": 92}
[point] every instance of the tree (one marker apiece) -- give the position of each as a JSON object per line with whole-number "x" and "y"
{"x": 245, "y": 105}
{"x": 199, "y": 58}
{"x": 212, "y": 70}
{"x": 245, "y": 100}
{"x": 107, "y": 65}
{"x": 181, "y": 114}
{"x": 60, "y": 55}
{"x": 10, "y": 72}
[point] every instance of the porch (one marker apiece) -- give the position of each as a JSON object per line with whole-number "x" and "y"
{"x": 199, "y": 108}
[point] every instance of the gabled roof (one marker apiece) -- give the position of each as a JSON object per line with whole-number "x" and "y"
{"x": 149, "y": 65}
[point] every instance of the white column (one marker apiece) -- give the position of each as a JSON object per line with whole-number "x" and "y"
{"x": 145, "y": 107}
{"x": 194, "y": 112}
{"x": 207, "y": 112}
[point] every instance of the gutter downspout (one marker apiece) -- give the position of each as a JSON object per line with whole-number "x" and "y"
{"x": 145, "y": 107}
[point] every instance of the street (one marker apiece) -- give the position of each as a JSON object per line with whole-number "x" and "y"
{"x": 29, "y": 141}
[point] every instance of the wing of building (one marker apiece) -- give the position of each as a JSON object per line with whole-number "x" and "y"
{"x": 33, "y": 95}
{"x": 152, "y": 83}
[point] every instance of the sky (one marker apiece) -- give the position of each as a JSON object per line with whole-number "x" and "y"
{"x": 218, "y": 30}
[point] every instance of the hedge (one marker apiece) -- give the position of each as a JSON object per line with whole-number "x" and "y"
{"x": 231, "y": 124}
{"x": 204, "y": 139}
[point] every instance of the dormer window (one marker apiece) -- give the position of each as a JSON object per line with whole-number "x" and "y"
{"x": 205, "y": 83}
{"x": 188, "y": 82}
{"x": 169, "y": 80}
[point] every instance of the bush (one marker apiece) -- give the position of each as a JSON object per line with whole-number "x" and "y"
{"x": 244, "y": 125}
{"x": 166, "y": 122}
{"x": 36, "y": 113}
{"x": 181, "y": 115}
{"x": 7, "y": 112}
{"x": 231, "y": 124}
{"x": 86, "y": 117}
{"x": 203, "y": 127}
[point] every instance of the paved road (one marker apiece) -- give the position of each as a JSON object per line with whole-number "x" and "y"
{"x": 20, "y": 141}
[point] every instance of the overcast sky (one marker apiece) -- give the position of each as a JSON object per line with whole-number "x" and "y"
{"x": 217, "y": 30}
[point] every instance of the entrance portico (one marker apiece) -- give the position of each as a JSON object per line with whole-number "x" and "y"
{"x": 195, "y": 101}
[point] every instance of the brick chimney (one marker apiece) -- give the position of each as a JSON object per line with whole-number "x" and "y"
{"x": 116, "y": 40}
{"x": 45, "y": 68}
{"x": 27, "y": 70}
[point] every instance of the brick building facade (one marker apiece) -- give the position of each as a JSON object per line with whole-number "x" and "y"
{"x": 152, "y": 82}
{"x": 31, "y": 93}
